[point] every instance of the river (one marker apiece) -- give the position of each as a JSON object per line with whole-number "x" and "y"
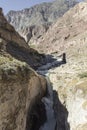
{"x": 48, "y": 101}
{"x": 50, "y": 123}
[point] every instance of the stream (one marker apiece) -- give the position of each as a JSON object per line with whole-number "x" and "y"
{"x": 55, "y": 112}
{"x": 48, "y": 101}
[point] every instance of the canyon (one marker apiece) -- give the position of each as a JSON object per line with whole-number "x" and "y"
{"x": 52, "y": 95}
{"x": 21, "y": 88}
{"x": 68, "y": 35}
{"x": 32, "y": 23}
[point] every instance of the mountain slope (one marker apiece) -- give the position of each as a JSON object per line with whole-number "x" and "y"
{"x": 69, "y": 35}
{"x": 21, "y": 88}
{"x": 68, "y": 32}
{"x": 33, "y": 22}
{"x": 14, "y": 45}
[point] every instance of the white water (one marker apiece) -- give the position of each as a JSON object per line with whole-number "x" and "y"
{"x": 50, "y": 123}
{"x": 48, "y": 101}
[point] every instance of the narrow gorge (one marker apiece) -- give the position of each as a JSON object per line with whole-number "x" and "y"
{"x": 56, "y": 112}
{"x": 45, "y": 89}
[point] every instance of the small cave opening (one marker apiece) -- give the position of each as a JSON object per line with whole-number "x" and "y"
{"x": 36, "y": 116}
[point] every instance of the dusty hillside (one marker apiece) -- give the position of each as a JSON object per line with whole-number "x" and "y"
{"x": 33, "y": 22}
{"x": 21, "y": 88}
{"x": 69, "y": 80}
{"x": 68, "y": 32}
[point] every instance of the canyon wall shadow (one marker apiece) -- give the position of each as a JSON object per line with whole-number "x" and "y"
{"x": 33, "y": 58}
{"x": 61, "y": 114}
{"x": 52, "y": 62}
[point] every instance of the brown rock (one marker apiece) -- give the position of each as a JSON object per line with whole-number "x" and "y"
{"x": 13, "y": 44}
{"x": 20, "y": 86}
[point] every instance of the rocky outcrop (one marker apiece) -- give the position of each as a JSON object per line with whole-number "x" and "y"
{"x": 21, "y": 88}
{"x": 70, "y": 83}
{"x": 14, "y": 45}
{"x": 69, "y": 80}
{"x": 32, "y": 33}
{"x": 69, "y": 31}
{"x": 28, "y": 22}
{"x": 8, "y": 33}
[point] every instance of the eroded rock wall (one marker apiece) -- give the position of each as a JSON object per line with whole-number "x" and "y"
{"x": 20, "y": 87}
{"x": 70, "y": 84}
{"x": 12, "y": 44}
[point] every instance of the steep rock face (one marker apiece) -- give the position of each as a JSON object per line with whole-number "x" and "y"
{"x": 40, "y": 16}
{"x": 7, "y": 32}
{"x": 70, "y": 83}
{"x": 20, "y": 86}
{"x": 13, "y": 44}
{"x": 67, "y": 31}
{"x": 69, "y": 80}
{"x": 33, "y": 33}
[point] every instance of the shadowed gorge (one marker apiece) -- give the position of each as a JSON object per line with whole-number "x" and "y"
{"x": 46, "y": 91}
{"x": 61, "y": 113}
{"x": 30, "y": 56}
{"x": 36, "y": 116}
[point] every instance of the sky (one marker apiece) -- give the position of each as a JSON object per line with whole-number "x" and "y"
{"x": 8, "y": 5}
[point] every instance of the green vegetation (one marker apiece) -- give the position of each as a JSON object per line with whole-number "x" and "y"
{"x": 10, "y": 60}
{"x": 83, "y": 75}
{"x": 32, "y": 46}
{"x": 4, "y": 60}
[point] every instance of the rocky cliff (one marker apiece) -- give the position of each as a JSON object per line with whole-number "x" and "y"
{"x": 68, "y": 32}
{"x": 33, "y": 22}
{"x": 21, "y": 88}
{"x": 13, "y": 44}
{"x": 69, "y": 35}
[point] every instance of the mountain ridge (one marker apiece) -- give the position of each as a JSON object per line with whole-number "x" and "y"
{"x": 28, "y": 22}
{"x": 66, "y": 31}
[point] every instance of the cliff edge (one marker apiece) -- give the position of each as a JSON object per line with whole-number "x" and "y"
{"x": 21, "y": 88}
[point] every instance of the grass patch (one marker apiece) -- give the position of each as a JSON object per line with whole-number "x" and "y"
{"x": 32, "y": 46}
{"x": 83, "y": 75}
